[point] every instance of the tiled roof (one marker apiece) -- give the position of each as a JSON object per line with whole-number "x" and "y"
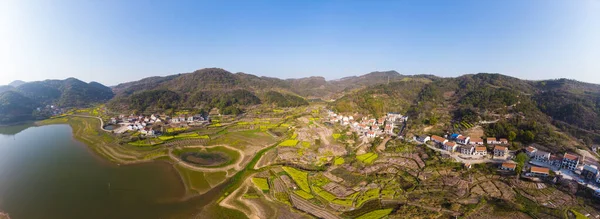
{"x": 571, "y": 157}
{"x": 509, "y": 165}
{"x": 437, "y": 138}
{"x": 540, "y": 170}
{"x": 500, "y": 148}
{"x": 476, "y": 140}
{"x": 452, "y": 144}
{"x": 482, "y": 148}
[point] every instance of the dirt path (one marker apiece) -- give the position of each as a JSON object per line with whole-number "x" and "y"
{"x": 255, "y": 211}
{"x": 324, "y": 134}
{"x": 237, "y": 165}
{"x": 381, "y": 147}
{"x": 101, "y": 122}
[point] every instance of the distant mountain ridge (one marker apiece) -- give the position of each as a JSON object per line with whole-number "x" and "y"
{"x": 18, "y": 103}
{"x": 518, "y": 105}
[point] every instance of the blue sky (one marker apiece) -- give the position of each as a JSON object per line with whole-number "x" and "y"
{"x": 114, "y": 41}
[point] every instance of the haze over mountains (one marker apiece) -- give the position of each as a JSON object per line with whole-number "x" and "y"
{"x": 541, "y": 107}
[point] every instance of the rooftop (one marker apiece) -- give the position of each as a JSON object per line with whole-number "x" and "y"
{"x": 500, "y": 148}
{"x": 531, "y": 149}
{"x": 509, "y": 165}
{"x": 571, "y": 157}
{"x": 481, "y": 148}
{"x": 437, "y": 138}
{"x": 543, "y": 170}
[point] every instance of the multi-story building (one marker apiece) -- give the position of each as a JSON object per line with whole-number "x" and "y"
{"x": 500, "y": 151}
{"x": 570, "y": 161}
{"x": 480, "y": 150}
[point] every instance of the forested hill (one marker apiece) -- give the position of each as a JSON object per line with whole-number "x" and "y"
{"x": 560, "y": 112}
{"x": 18, "y": 103}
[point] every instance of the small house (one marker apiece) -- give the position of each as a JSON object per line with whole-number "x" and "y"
{"x": 503, "y": 141}
{"x": 480, "y": 150}
{"x": 476, "y": 141}
{"x": 371, "y": 134}
{"x": 423, "y": 138}
{"x": 450, "y": 146}
{"x": 492, "y": 141}
{"x": 508, "y": 166}
{"x": 530, "y": 151}
{"x": 467, "y": 149}
{"x": 539, "y": 171}
{"x": 500, "y": 151}
{"x": 463, "y": 139}
{"x": 438, "y": 139}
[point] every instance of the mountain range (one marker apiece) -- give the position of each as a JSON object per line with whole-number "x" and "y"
{"x": 564, "y": 113}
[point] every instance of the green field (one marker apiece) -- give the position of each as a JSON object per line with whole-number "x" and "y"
{"x": 176, "y": 129}
{"x": 299, "y": 176}
{"x": 339, "y": 161}
{"x": 324, "y": 194}
{"x": 261, "y": 183}
{"x": 368, "y": 195}
{"x": 343, "y": 202}
{"x": 303, "y": 194}
{"x": 377, "y": 214}
{"x": 367, "y": 158}
{"x": 289, "y": 143}
{"x": 336, "y": 136}
{"x": 183, "y": 136}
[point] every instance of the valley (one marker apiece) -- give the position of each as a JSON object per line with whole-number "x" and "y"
{"x": 384, "y": 145}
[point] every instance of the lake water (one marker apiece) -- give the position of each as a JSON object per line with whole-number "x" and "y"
{"x": 45, "y": 173}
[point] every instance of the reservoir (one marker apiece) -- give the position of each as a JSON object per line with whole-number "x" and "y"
{"x": 46, "y": 173}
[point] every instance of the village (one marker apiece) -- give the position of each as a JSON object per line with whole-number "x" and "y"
{"x": 154, "y": 124}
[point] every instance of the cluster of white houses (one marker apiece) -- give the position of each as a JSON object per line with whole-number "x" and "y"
{"x": 567, "y": 161}
{"x": 143, "y": 124}
{"x": 468, "y": 145}
{"x": 369, "y": 127}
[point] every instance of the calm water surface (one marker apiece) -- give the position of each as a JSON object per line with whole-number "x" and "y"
{"x": 45, "y": 173}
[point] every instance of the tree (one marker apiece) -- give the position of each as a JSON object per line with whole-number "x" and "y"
{"x": 512, "y": 136}
{"x": 528, "y": 136}
{"x": 521, "y": 159}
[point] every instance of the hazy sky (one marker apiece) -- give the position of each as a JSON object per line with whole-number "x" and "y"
{"x": 114, "y": 41}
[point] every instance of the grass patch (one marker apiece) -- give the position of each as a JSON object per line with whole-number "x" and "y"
{"x": 336, "y": 136}
{"x": 300, "y": 177}
{"x": 578, "y": 215}
{"x": 367, "y": 158}
{"x": 377, "y": 214}
{"x": 261, "y": 183}
{"x": 339, "y": 161}
{"x": 289, "y": 143}
{"x": 194, "y": 180}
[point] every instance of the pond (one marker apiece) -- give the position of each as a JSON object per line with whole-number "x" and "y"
{"x": 205, "y": 158}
